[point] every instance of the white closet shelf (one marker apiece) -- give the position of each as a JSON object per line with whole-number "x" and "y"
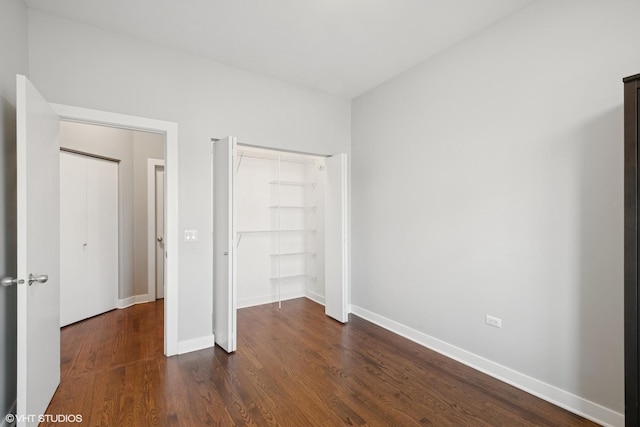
{"x": 297, "y": 230}
{"x": 292, "y": 207}
{"x": 294, "y": 276}
{"x": 294, "y": 253}
{"x": 298, "y": 183}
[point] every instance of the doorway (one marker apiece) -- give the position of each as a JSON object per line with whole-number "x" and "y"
{"x": 156, "y": 252}
{"x": 86, "y": 236}
{"x": 170, "y": 132}
{"x": 289, "y": 218}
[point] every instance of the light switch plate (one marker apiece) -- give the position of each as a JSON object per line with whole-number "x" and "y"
{"x": 190, "y": 235}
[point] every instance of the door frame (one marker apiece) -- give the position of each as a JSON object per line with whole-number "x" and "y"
{"x": 152, "y": 165}
{"x": 170, "y": 131}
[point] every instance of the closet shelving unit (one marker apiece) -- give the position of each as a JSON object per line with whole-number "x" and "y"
{"x": 280, "y": 226}
{"x": 278, "y": 208}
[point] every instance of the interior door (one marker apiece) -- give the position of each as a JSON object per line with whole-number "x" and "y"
{"x": 38, "y": 235}
{"x": 73, "y": 235}
{"x": 159, "y": 172}
{"x": 224, "y": 289}
{"x": 336, "y": 239}
{"x": 102, "y": 242}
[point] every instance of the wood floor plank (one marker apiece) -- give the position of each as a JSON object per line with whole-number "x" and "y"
{"x": 294, "y": 367}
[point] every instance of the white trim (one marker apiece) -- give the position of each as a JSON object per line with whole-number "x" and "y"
{"x": 12, "y": 410}
{"x": 315, "y": 297}
{"x": 548, "y": 392}
{"x": 196, "y": 344}
{"x": 151, "y": 226}
{"x": 136, "y": 299}
{"x": 269, "y": 299}
{"x": 170, "y": 130}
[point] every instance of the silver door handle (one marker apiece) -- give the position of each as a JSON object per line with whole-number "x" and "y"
{"x": 10, "y": 281}
{"x": 226, "y": 253}
{"x": 159, "y": 239}
{"x": 40, "y": 278}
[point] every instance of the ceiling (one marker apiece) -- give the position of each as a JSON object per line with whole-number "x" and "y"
{"x": 341, "y": 47}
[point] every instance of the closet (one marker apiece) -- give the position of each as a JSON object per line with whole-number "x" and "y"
{"x": 280, "y": 231}
{"x": 88, "y": 236}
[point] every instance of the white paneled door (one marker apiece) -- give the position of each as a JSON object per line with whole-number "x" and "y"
{"x": 224, "y": 289}
{"x": 336, "y": 253}
{"x": 89, "y": 236}
{"x": 38, "y": 262}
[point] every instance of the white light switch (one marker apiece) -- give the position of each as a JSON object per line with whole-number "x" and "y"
{"x": 190, "y": 235}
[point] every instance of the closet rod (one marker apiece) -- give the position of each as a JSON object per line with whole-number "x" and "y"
{"x": 84, "y": 153}
{"x": 279, "y": 150}
{"x": 256, "y": 155}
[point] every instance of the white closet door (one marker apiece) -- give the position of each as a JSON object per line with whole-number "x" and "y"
{"x": 73, "y": 234}
{"x": 88, "y": 237}
{"x": 224, "y": 289}
{"x": 102, "y": 236}
{"x": 336, "y": 234}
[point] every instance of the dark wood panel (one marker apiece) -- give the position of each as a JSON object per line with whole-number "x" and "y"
{"x": 631, "y": 294}
{"x": 293, "y": 367}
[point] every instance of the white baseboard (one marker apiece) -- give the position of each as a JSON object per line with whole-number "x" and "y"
{"x": 315, "y": 297}
{"x": 12, "y": 410}
{"x": 196, "y": 344}
{"x": 268, "y": 299}
{"x": 558, "y": 397}
{"x": 136, "y": 299}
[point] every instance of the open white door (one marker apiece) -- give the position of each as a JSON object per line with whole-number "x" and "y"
{"x": 224, "y": 276}
{"x": 336, "y": 255}
{"x": 38, "y": 236}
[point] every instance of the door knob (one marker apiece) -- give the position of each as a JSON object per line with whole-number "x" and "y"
{"x": 226, "y": 253}
{"x": 39, "y": 278}
{"x": 159, "y": 239}
{"x": 10, "y": 281}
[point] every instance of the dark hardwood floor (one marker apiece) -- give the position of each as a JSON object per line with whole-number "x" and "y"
{"x": 293, "y": 367}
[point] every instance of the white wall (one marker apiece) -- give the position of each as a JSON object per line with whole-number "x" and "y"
{"x": 489, "y": 180}
{"x": 80, "y": 65}
{"x": 14, "y": 59}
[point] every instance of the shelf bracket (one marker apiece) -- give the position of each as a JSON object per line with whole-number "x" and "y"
{"x": 240, "y": 161}
{"x": 240, "y": 234}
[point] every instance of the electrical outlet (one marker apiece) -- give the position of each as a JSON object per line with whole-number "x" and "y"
{"x": 493, "y": 321}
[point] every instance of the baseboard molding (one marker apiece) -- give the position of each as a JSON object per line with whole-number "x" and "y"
{"x": 552, "y": 394}
{"x": 196, "y": 344}
{"x": 314, "y": 297}
{"x": 12, "y": 410}
{"x": 136, "y": 299}
{"x": 269, "y": 299}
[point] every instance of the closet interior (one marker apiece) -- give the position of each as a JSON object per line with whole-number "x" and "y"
{"x": 279, "y": 217}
